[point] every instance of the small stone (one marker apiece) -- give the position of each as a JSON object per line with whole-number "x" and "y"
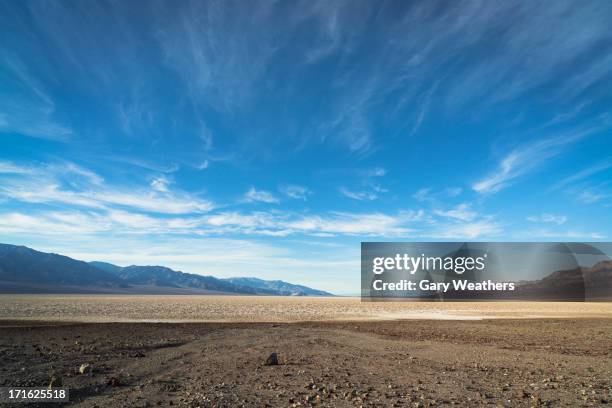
{"x": 55, "y": 380}
{"x": 113, "y": 382}
{"x": 272, "y": 359}
{"x": 84, "y": 368}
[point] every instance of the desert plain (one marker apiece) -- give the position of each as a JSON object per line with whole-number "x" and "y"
{"x": 211, "y": 351}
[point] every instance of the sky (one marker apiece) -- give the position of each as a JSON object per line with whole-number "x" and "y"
{"x": 270, "y": 138}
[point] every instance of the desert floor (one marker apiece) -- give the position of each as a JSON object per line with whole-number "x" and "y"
{"x": 190, "y": 308}
{"x": 461, "y": 361}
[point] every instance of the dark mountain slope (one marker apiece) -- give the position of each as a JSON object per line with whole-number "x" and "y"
{"x": 575, "y": 284}
{"x": 162, "y": 276}
{"x": 25, "y": 265}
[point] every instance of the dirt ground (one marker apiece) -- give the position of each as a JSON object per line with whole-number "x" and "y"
{"x": 409, "y": 363}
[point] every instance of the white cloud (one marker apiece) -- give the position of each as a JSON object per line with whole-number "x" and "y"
{"x": 370, "y": 188}
{"x": 484, "y": 228}
{"x": 336, "y": 223}
{"x": 377, "y": 172}
{"x": 569, "y": 234}
{"x": 430, "y": 195}
{"x": 422, "y": 194}
{"x": 74, "y": 169}
{"x": 244, "y": 223}
{"x": 452, "y": 191}
{"x": 148, "y": 201}
{"x": 374, "y": 224}
{"x": 225, "y": 223}
{"x": 296, "y": 192}
{"x": 590, "y": 197}
{"x": 12, "y": 168}
{"x": 161, "y": 184}
{"x": 204, "y": 165}
{"x": 461, "y": 212}
{"x": 34, "y": 192}
{"x": 548, "y": 218}
{"x": 104, "y": 198}
{"x": 260, "y": 196}
{"x": 359, "y": 195}
{"x": 508, "y": 170}
{"x": 76, "y": 222}
{"x": 19, "y": 223}
{"x": 70, "y": 184}
{"x": 424, "y": 102}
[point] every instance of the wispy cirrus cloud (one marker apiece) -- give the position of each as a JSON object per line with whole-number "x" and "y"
{"x": 175, "y": 203}
{"x": 369, "y": 188}
{"x": 27, "y": 107}
{"x": 435, "y": 196}
{"x": 359, "y": 195}
{"x": 67, "y": 184}
{"x": 335, "y": 223}
{"x": 372, "y": 224}
{"x": 583, "y": 174}
{"x": 548, "y": 218}
{"x": 227, "y": 69}
{"x": 527, "y": 158}
{"x": 590, "y": 196}
{"x": 219, "y": 224}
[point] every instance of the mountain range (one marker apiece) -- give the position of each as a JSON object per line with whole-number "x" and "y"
{"x": 577, "y": 284}
{"x": 25, "y": 270}
{"x": 581, "y": 283}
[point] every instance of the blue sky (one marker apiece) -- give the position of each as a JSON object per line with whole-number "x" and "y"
{"x": 271, "y": 138}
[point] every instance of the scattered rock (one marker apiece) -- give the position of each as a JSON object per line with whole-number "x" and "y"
{"x": 84, "y": 368}
{"x": 113, "y": 382}
{"x": 272, "y": 359}
{"x": 55, "y": 380}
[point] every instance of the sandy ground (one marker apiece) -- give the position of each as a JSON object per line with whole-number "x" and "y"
{"x": 117, "y": 308}
{"x": 332, "y": 352}
{"x": 419, "y": 363}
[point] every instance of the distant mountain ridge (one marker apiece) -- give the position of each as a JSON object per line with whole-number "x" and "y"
{"x": 23, "y": 269}
{"x": 284, "y": 288}
{"x": 579, "y": 283}
{"x": 576, "y": 284}
{"x": 162, "y": 276}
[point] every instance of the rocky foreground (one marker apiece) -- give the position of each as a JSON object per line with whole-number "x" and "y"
{"x": 393, "y": 363}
